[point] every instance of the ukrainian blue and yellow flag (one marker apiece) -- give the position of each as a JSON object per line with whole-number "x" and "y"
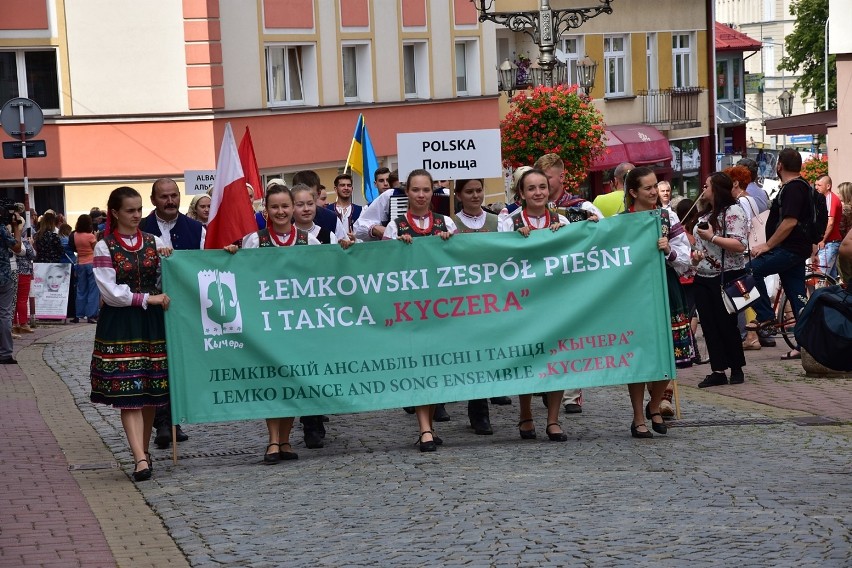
{"x": 362, "y": 159}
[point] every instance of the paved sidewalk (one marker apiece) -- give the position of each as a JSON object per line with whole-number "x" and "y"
{"x": 782, "y": 384}
{"x": 64, "y": 501}
{"x": 736, "y": 483}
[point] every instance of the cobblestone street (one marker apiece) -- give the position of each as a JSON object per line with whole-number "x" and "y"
{"x": 733, "y": 483}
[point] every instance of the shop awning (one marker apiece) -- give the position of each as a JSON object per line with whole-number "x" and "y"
{"x": 638, "y": 144}
{"x": 729, "y": 39}
{"x": 810, "y": 123}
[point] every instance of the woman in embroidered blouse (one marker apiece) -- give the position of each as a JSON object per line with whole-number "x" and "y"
{"x": 304, "y": 213}
{"x": 279, "y": 232}
{"x": 129, "y": 368}
{"x": 419, "y": 221}
{"x": 534, "y": 191}
{"x": 473, "y": 218}
{"x": 641, "y": 194}
{"x": 722, "y": 241}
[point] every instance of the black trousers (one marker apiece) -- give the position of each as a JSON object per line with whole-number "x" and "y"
{"x": 721, "y": 333}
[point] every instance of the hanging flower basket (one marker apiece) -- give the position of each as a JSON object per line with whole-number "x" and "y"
{"x": 553, "y": 120}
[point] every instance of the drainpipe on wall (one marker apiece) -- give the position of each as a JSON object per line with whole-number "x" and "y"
{"x": 709, "y": 166}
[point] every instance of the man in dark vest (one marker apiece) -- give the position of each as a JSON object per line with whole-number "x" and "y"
{"x": 177, "y": 231}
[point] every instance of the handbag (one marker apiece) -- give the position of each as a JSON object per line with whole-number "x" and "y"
{"x": 740, "y": 293}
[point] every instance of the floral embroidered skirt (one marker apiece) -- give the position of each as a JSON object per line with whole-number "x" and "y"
{"x": 681, "y": 331}
{"x": 129, "y": 367}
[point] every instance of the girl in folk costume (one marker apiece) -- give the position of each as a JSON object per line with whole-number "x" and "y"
{"x": 304, "y": 213}
{"x": 472, "y": 218}
{"x": 419, "y": 221}
{"x": 534, "y": 191}
{"x": 641, "y": 195}
{"x": 279, "y": 232}
{"x": 129, "y": 369}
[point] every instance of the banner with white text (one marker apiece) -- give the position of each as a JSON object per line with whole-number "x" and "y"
{"x": 318, "y": 330}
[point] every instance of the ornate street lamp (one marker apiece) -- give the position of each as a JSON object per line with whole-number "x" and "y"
{"x": 543, "y": 26}
{"x": 508, "y": 77}
{"x": 587, "y": 68}
{"x": 785, "y": 101}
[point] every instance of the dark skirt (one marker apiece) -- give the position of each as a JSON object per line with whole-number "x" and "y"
{"x": 681, "y": 332}
{"x": 129, "y": 367}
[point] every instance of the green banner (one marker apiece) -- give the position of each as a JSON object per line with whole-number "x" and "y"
{"x": 319, "y": 330}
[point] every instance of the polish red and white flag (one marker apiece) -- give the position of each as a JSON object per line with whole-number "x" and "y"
{"x": 231, "y": 213}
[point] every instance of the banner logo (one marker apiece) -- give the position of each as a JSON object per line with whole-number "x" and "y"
{"x": 220, "y": 307}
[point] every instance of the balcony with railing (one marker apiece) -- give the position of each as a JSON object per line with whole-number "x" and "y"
{"x": 672, "y": 109}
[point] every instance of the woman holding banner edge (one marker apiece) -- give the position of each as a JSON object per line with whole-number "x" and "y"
{"x": 534, "y": 191}
{"x": 641, "y": 194}
{"x": 420, "y": 221}
{"x": 129, "y": 367}
{"x": 279, "y": 232}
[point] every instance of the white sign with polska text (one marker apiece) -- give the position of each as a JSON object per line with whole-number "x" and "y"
{"x": 451, "y": 154}
{"x": 198, "y": 181}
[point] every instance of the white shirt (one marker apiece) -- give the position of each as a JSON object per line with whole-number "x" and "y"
{"x": 391, "y": 231}
{"x": 114, "y": 294}
{"x": 252, "y": 241}
{"x": 507, "y": 223}
{"x": 472, "y": 223}
{"x": 376, "y": 213}
{"x": 166, "y": 231}
{"x": 314, "y": 232}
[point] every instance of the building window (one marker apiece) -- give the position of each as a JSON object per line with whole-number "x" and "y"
{"x": 350, "y": 72}
{"x": 409, "y": 64}
{"x": 31, "y": 74}
{"x": 291, "y": 75}
{"x": 416, "y": 70}
{"x": 357, "y": 73}
{"x": 467, "y": 68}
{"x": 722, "y": 80}
{"x": 682, "y": 64}
{"x": 461, "y": 69}
{"x": 615, "y": 66}
{"x": 729, "y": 80}
{"x": 652, "y": 75}
{"x": 572, "y": 48}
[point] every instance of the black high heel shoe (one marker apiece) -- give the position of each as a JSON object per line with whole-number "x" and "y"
{"x": 526, "y": 434}
{"x": 150, "y": 461}
{"x": 429, "y": 446}
{"x": 637, "y": 434}
{"x": 142, "y": 474}
{"x": 659, "y": 427}
{"x": 556, "y": 436}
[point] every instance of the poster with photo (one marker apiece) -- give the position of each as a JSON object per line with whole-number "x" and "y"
{"x": 51, "y": 283}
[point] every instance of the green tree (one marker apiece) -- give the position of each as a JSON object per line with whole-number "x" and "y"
{"x": 805, "y": 49}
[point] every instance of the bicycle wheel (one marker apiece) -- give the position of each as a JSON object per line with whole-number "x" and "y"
{"x": 785, "y": 316}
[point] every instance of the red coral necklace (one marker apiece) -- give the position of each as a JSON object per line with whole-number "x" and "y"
{"x": 291, "y": 237}
{"x": 126, "y": 245}
{"x": 416, "y": 228}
